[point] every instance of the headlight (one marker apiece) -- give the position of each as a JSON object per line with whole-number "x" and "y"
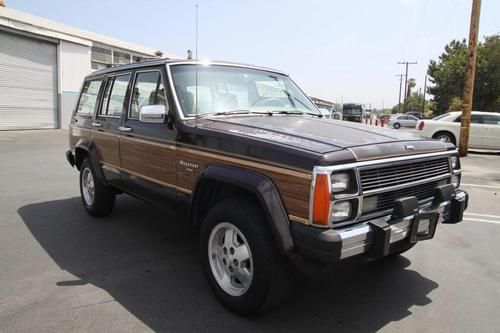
{"x": 340, "y": 182}
{"x": 341, "y": 211}
{"x": 454, "y": 162}
{"x": 455, "y": 180}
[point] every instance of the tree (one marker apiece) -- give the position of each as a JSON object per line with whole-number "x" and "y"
{"x": 447, "y": 75}
{"x": 411, "y": 85}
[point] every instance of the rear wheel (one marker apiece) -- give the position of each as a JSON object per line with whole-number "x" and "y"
{"x": 97, "y": 198}
{"x": 397, "y": 125}
{"x": 445, "y": 136}
{"x": 241, "y": 261}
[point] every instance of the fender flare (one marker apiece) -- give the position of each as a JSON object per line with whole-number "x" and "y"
{"x": 88, "y": 146}
{"x": 264, "y": 190}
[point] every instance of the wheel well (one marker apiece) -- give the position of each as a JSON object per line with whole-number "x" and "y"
{"x": 80, "y": 155}
{"x": 452, "y": 136}
{"x": 208, "y": 192}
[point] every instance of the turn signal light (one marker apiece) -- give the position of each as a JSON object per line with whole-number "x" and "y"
{"x": 321, "y": 205}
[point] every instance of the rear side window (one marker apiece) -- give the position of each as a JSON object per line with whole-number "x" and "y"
{"x": 88, "y": 98}
{"x": 491, "y": 119}
{"x": 474, "y": 119}
{"x": 148, "y": 90}
{"x": 113, "y": 102}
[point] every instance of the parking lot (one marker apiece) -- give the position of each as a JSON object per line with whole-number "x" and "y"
{"x": 138, "y": 270}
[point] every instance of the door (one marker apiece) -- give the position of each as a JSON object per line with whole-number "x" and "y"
{"x": 28, "y": 83}
{"x": 491, "y": 137}
{"x": 107, "y": 122}
{"x": 148, "y": 149}
{"x": 476, "y": 131}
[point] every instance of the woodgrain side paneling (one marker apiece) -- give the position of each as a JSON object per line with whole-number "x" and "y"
{"x": 108, "y": 147}
{"x": 293, "y": 188}
{"x": 150, "y": 159}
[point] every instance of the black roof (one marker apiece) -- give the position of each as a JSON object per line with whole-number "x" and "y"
{"x": 162, "y": 61}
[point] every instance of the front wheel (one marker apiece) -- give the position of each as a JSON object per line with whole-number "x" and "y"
{"x": 241, "y": 261}
{"x": 445, "y": 137}
{"x": 97, "y": 198}
{"x": 397, "y": 125}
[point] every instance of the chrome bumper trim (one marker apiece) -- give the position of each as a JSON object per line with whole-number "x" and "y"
{"x": 358, "y": 239}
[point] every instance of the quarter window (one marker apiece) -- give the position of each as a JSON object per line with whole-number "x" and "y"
{"x": 148, "y": 90}
{"x": 88, "y": 97}
{"x": 114, "y": 97}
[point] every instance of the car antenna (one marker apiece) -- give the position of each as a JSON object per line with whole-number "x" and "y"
{"x": 196, "y": 68}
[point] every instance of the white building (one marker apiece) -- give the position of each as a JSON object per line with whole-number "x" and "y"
{"x": 42, "y": 65}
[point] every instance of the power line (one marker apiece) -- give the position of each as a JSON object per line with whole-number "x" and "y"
{"x": 406, "y": 63}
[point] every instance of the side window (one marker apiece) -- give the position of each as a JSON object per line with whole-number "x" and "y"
{"x": 491, "y": 119}
{"x": 148, "y": 90}
{"x": 113, "y": 102}
{"x": 474, "y": 119}
{"x": 88, "y": 97}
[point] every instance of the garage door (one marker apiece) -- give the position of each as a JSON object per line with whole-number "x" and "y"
{"x": 28, "y": 83}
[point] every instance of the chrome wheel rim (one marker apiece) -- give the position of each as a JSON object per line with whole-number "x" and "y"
{"x": 88, "y": 188}
{"x": 230, "y": 259}
{"x": 444, "y": 138}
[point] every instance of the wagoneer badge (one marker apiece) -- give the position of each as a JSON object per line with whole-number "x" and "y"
{"x": 189, "y": 166}
{"x": 409, "y": 147}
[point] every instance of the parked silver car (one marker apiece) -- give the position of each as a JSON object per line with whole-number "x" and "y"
{"x": 402, "y": 121}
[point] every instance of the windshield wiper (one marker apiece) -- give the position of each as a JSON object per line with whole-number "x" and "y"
{"x": 296, "y": 112}
{"x": 231, "y": 112}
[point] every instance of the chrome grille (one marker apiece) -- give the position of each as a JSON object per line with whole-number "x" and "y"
{"x": 380, "y": 177}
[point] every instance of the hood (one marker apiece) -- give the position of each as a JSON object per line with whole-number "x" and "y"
{"x": 313, "y": 134}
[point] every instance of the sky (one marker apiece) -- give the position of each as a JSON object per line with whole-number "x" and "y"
{"x": 342, "y": 51}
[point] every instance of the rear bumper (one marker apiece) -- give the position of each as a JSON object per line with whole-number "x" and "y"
{"x": 382, "y": 236}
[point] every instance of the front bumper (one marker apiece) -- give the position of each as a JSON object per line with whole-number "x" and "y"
{"x": 382, "y": 236}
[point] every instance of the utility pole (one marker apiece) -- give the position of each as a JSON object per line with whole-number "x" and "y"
{"x": 423, "y": 101}
{"x": 463, "y": 146}
{"x": 400, "y": 86}
{"x": 406, "y": 79}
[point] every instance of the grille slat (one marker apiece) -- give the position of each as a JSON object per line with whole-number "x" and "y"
{"x": 385, "y": 176}
{"x": 386, "y": 200}
{"x": 388, "y": 179}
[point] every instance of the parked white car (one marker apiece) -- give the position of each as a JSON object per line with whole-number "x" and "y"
{"x": 484, "y": 129}
{"x": 402, "y": 121}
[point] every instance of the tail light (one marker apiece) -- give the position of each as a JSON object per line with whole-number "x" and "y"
{"x": 420, "y": 125}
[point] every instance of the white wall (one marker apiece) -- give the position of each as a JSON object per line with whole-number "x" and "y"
{"x": 73, "y": 66}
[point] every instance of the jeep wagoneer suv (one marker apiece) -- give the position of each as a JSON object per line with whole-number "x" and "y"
{"x": 271, "y": 185}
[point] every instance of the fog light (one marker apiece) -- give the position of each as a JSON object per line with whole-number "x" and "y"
{"x": 341, "y": 211}
{"x": 340, "y": 182}
{"x": 455, "y": 181}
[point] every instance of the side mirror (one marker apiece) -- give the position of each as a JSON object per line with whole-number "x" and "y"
{"x": 153, "y": 114}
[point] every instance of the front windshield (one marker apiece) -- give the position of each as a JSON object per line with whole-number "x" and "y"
{"x": 226, "y": 88}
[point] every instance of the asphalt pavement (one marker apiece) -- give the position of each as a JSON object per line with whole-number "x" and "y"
{"x": 139, "y": 270}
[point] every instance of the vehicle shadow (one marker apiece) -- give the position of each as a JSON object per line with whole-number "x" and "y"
{"x": 148, "y": 262}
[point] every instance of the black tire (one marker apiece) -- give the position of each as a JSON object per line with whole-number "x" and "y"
{"x": 273, "y": 276}
{"x": 103, "y": 198}
{"x": 445, "y": 136}
{"x": 397, "y": 125}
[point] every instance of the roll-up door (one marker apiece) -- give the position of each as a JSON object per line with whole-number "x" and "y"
{"x": 28, "y": 82}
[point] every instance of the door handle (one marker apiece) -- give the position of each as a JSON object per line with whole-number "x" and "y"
{"x": 125, "y": 129}
{"x": 95, "y": 124}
